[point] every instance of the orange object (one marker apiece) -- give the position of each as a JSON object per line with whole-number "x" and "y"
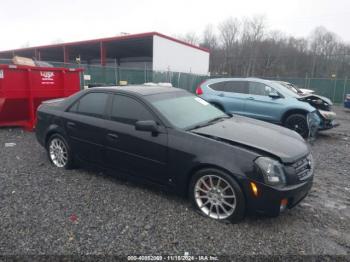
{"x": 254, "y": 189}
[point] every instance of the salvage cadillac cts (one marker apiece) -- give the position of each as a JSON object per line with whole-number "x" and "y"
{"x": 227, "y": 165}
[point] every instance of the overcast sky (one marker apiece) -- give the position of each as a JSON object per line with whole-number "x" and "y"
{"x": 38, "y": 22}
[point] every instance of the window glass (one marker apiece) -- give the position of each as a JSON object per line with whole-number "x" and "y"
{"x": 260, "y": 89}
{"x": 74, "y": 108}
{"x": 186, "y": 111}
{"x": 236, "y": 87}
{"x": 220, "y": 86}
{"x": 128, "y": 110}
{"x": 92, "y": 104}
{"x": 231, "y": 86}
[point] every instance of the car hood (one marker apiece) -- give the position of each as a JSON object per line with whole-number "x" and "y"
{"x": 313, "y": 97}
{"x": 276, "y": 140}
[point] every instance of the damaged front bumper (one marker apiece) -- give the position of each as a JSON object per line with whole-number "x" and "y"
{"x": 328, "y": 120}
{"x": 321, "y": 120}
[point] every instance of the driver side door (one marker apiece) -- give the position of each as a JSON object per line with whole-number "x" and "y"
{"x": 137, "y": 153}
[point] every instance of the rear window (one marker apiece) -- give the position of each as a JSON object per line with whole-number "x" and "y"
{"x": 220, "y": 86}
{"x": 92, "y": 104}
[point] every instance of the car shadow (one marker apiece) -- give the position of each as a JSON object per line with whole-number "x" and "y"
{"x": 252, "y": 219}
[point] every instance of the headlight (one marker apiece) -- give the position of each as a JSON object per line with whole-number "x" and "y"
{"x": 272, "y": 171}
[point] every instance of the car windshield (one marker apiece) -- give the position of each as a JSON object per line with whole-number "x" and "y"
{"x": 286, "y": 91}
{"x": 292, "y": 87}
{"x": 187, "y": 111}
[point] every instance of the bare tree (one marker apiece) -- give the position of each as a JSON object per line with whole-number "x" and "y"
{"x": 246, "y": 48}
{"x": 252, "y": 35}
{"x": 324, "y": 45}
{"x": 209, "y": 39}
{"x": 191, "y": 38}
{"x": 229, "y": 33}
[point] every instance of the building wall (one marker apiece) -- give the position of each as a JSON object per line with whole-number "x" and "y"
{"x": 172, "y": 56}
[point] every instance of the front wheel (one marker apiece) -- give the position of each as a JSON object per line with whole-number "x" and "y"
{"x": 298, "y": 123}
{"x": 59, "y": 152}
{"x": 217, "y": 195}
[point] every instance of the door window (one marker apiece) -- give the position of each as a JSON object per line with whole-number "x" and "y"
{"x": 259, "y": 89}
{"x": 92, "y": 104}
{"x": 128, "y": 110}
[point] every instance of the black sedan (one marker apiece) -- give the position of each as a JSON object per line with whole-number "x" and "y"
{"x": 226, "y": 164}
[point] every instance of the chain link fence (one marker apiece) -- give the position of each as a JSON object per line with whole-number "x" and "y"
{"x": 333, "y": 88}
{"x": 111, "y": 76}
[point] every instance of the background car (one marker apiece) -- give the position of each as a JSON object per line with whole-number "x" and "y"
{"x": 321, "y": 103}
{"x": 347, "y": 101}
{"x": 265, "y": 100}
{"x": 172, "y": 138}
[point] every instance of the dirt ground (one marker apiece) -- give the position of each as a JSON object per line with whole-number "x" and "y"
{"x": 45, "y": 210}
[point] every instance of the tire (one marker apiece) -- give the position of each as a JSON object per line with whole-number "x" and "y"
{"x": 298, "y": 123}
{"x": 59, "y": 152}
{"x": 210, "y": 203}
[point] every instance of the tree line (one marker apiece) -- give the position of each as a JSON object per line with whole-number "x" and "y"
{"x": 245, "y": 47}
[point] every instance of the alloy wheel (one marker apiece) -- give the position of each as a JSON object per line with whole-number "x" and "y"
{"x": 58, "y": 152}
{"x": 215, "y": 196}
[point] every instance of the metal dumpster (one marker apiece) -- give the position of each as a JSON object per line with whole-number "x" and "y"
{"x": 23, "y": 88}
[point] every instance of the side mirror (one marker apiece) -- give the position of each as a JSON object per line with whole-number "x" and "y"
{"x": 147, "y": 125}
{"x": 274, "y": 95}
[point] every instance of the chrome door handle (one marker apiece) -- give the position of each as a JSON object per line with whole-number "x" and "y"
{"x": 251, "y": 98}
{"x": 71, "y": 125}
{"x": 113, "y": 136}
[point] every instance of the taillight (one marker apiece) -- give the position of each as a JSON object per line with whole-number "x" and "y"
{"x": 199, "y": 91}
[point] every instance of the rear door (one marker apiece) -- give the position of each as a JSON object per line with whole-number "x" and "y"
{"x": 232, "y": 94}
{"x": 138, "y": 153}
{"x": 260, "y": 105}
{"x": 85, "y": 126}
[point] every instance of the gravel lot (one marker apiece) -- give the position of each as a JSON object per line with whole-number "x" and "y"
{"x": 44, "y": 210}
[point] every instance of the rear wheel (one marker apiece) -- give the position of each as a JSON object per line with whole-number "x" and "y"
{"x": 298, "y": 123}
{"x": 217, "y": 195}
{"x": 59, "y": 152}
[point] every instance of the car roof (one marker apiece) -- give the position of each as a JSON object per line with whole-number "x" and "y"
{"x": 142, "y": 90}
{"x": 214, "y": 80}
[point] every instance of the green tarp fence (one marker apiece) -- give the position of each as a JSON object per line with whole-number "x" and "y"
{"x": 334, "y": 89}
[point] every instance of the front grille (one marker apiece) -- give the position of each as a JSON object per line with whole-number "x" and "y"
{"x": 304, "y": 168}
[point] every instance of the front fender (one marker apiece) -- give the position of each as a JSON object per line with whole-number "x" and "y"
{"x": 300, "y": 105}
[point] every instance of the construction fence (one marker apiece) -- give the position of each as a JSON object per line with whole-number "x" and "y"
{"x": 96, "y": 75}
{"x": 333, "y": 88}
